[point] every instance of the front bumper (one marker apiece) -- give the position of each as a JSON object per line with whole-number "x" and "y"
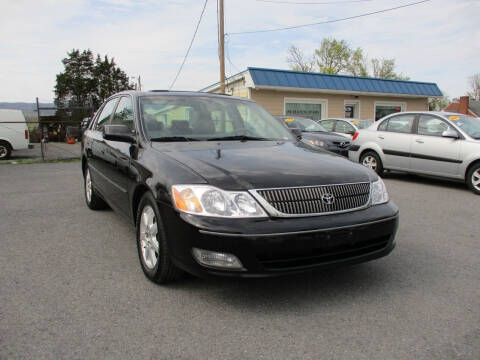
{"x": 338, "y": 150}
{"x": 270, "y": 247}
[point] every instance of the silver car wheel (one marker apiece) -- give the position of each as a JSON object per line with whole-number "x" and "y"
{"x": 3, "y": 151}
{"x": 88, "y": 186}
{"x": 370, "y": 162}
{"x": 148, "y": 237}
{"x": 476, "y": 179}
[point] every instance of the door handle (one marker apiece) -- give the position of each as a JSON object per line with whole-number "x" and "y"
{"x": 381, "y": 137}
{"x": 419, "y": 141}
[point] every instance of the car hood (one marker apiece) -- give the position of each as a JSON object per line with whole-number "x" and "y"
{"x": 325, "y": 136}
{"x": 247, "y": 165}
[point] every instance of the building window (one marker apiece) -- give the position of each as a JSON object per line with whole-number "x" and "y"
{"x": 310, "y": 108}
{"x": 352, "y": 109}
{"x": 386, "y": 108}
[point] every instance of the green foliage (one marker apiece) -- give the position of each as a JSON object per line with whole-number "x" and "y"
{"x": 437, "y": 104}
{"x": 86, "y": 83}
{"x": 338, "y": 57}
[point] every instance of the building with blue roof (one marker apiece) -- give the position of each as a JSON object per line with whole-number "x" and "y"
{"x": 320, "y": 96}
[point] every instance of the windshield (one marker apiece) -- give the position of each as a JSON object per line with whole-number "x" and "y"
{"x": 468, "y": 124}
{"x": 362, "y": 124}
{"x": 194, "y": 118}
{"x": 304, "y": 124}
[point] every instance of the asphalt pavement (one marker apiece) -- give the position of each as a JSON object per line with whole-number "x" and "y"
{"x": 71, "y": 286}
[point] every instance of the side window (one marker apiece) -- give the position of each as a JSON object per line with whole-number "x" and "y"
{"x": 344, "y": 127}
{"x": 401, "y": 123}
{"x": 430, "y": 125}
{"x": 124, "y": 113}
{"x": 328, "y": 124}
{"x": 105, "y": 114}
{"x": 383, "y": 126}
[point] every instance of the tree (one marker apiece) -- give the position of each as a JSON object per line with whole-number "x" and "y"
{"x": 437, "y": 104}
{"x": 333, "y": 56}
{"x": 385, "y": 69}
{"x": 474, "y": 82}
{"x": 338, "y": 57}
{"x": 298, "y": 61}
{"x": 85, "y": 82}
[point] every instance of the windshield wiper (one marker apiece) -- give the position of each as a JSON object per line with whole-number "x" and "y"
{"x": 239, "y": 137}
{"x": 173, "y": 138}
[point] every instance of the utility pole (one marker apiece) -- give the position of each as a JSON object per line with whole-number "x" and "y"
{"x": 222, "y": 47}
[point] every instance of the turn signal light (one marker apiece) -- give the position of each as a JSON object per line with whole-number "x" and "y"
{"x": 355, "y": 135}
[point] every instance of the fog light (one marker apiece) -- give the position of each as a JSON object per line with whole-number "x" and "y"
{"x": 217, "y": 259}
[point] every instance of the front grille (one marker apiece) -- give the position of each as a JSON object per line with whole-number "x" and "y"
{"x": 342, "y": 144}
{"x": 314, "y": 199}
{"x": 337, "y": 249}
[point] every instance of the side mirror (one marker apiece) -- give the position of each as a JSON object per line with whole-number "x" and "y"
{"x": 450, "y": 133}
{"x": 118, "y": 133}
{"x": 297, "y": 132}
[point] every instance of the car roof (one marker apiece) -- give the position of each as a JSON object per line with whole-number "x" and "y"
{"x": 137, "y": 93}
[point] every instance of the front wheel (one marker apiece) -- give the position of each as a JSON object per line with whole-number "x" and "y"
{"x": 473, "y": 178}
{"x": 152, "y": 243}
{"x": 371, "y": 160}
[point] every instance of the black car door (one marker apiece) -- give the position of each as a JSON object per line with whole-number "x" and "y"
{"x": 117, "y": 156}
{"x": 95, "y": 148}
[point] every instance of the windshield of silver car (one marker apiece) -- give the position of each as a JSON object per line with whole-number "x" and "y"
{"x": 468, "y": 124}
{"x": 204, "y": 118}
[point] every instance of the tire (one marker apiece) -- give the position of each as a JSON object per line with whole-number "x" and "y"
{"x": 94, "y": 202}
{"x": 371, "y": 160}
{"x": 5, "y": 150}
{"x": 473, "y": 178}
{"x": 152, "y": 243}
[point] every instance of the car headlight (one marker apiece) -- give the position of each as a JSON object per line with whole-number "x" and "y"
{"x": 315, "y": 142}
{"x": 210, "y": 201}
{"x": 378, "y": 192}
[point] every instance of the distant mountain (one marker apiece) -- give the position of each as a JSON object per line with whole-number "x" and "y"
{"x": 28, "y": 108}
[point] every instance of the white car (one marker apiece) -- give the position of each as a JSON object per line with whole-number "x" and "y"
{"x": 343, "y": 126}
{"x": 13, "y": 132}
{"x": 430, "y": 143}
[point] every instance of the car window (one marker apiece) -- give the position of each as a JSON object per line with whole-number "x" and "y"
{"x": 105, "y": 114}
{"x": 124, "y": 113}
{"x": 383, "y": 126}
{"x": 400, "y": 123}
{"x": 328, "y": 124}
{"x": 344, "y": 127}
{"x": 204, "y": 118}
{"x": 431, "y": 125}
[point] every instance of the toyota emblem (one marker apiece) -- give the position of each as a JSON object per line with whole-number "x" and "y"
{"x": 328, "y": 198}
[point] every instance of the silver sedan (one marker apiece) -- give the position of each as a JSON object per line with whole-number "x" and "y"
{"x": 431, "y": 143}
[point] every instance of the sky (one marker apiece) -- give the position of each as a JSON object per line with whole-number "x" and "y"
{"x": 436, "y": 41}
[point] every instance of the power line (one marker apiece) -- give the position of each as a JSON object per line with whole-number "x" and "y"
{"x": 190, "y": 46}
{"x": 314, "y": 3}
{"x": 330, "y": 21}
{"x": 228, "y": 55}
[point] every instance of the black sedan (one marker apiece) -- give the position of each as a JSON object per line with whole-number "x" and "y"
{"x": 216, "y": 186}
{"x": 315, "y": 134}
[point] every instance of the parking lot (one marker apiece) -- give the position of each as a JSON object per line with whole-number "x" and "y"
{"x": 71, "y": 286}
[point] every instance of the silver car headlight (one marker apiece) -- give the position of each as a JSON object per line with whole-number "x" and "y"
{"x": 315, "y": 142}
{"x": 210, "y": 201}
{"x": 378, "y": 192}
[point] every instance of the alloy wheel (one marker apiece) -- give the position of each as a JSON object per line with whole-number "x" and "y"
{"x": 476, "y": 179}
{"x": 3, "y": 151}
{"x": 370, "y": 162}
{"x": 88, "y": 186}
{"x": 148, "y": 237}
